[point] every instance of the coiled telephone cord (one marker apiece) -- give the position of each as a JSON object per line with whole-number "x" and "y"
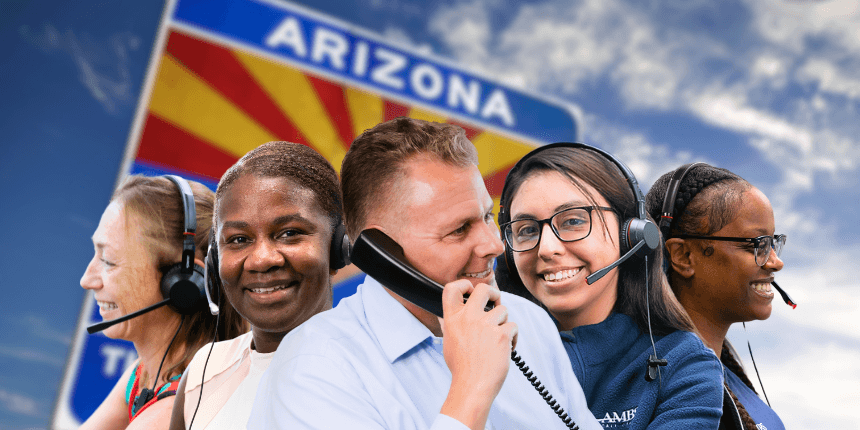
{"x": 541, "y": 389}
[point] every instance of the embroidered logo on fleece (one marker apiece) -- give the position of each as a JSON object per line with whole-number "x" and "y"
{"x": 613, "y": 419}
{"x": 760, "y": 426}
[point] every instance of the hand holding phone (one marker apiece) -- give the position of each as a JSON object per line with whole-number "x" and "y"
{"x": 475, "y": 328}
{"x": 477, "y": 349}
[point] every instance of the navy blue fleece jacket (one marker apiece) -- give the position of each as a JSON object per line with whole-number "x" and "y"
{"x": 609, "y": 359}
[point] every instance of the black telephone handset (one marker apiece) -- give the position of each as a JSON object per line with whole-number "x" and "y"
{"x": 380, "y": 257}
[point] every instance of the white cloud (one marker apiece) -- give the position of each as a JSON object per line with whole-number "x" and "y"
{"x": 790, "y": 24}
{"x": 566, "y": 46}
{"x": 829, "y": 78}
{"x": 102, "y": 65}
{"x": 826, "y": 291}
{"x": 645, "y": 76}
{"x": 465, "y": 30}
{"x": 818, "y": 44}
{"x": 800, "y": 115}
{"x": 769, "y": 66}
{"x": 730, "y": 110}
{"x": 400, "y": 37}
{"x": 646, "y": 159}
{"x": 551, "y": 46}
{"x": 18, "y": 403}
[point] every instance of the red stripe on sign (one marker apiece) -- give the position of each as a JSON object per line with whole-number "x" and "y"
{"x": 218, "y": 67}
{"x": 495, "y": 182}
{"x": 333, "y": 98}
{"x": 395, "y": 110}
{"x": 165, "y": 144}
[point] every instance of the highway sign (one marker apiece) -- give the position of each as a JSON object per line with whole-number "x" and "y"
{"x": 227, "y": 76}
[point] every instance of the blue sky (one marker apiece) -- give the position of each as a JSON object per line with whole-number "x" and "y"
{"x": 768, "y": 89}
{"x": 70, "y": 73}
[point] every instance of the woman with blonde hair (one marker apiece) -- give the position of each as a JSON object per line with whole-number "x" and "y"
{"x": 139, "y": 244}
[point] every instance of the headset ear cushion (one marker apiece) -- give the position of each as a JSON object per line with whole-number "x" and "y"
{"x": 339, "y": 250}
{"x": 213, "y": 278}
{"x": 625, "y": 234}
{"x": 635, "y": 230}
{"x": 184, "y": 290}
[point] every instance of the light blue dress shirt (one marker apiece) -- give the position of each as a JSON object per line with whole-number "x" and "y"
{"x": 370, "y": 364}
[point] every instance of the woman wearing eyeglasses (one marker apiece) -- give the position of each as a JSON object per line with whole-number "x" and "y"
{"x": 563, "y": 208}
{"x": 722, "y": 255}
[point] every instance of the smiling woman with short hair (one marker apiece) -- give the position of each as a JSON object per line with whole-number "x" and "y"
{"x": 276, "y": 212}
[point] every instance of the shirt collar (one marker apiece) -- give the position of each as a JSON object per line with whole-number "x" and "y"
{"x": 394, "y": 327}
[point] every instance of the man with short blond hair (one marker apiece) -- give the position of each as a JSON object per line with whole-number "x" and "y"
{"x": 377, "y": 160}
{"x": 378, "y": 361}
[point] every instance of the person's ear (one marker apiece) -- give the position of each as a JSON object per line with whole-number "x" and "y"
{"x": 200, "y": 263}
{"x": 680, "y": 257}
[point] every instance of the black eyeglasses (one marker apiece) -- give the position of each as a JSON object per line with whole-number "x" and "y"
{"x": 762, "y": 244}
{"x": 569, "y": 225}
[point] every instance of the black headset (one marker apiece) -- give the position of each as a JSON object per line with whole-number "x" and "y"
{"x": 339, "y": 252}
{"x": 668, "y": 212}
{"x": 183, "y": 282}
{"x": 182, "y": 285}
{"x": 639, "y": 235}
{"x": 338, "y": 259}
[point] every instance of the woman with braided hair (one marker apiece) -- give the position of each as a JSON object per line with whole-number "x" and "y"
{"x": 721, "y": 255}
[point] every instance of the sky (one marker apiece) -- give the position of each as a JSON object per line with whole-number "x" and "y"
{"x": 768, "y": 89}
